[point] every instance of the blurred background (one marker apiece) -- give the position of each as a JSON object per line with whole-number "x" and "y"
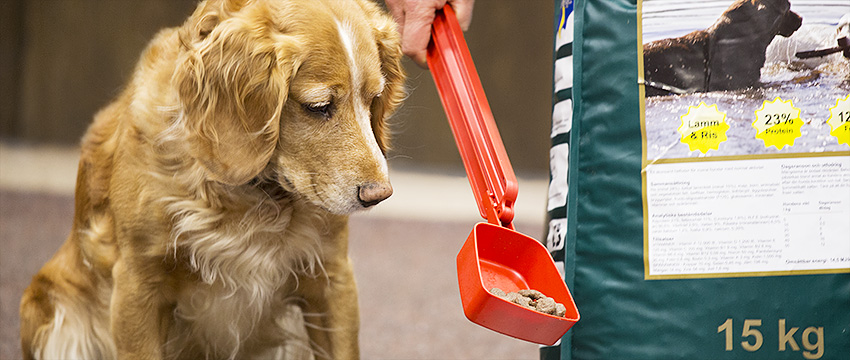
{"x": 62, "y": 60}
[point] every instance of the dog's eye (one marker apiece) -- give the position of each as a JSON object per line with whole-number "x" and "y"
{"x": 322, "y": 109}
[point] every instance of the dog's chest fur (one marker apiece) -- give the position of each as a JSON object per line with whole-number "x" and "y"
{"x": 245, "y": 254}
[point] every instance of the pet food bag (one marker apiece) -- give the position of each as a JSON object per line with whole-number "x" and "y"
{"x": 697, "y": 220}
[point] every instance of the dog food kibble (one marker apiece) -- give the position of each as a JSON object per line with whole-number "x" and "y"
{"x": 533, "y": 294}
{"x": 546, "y": 305}
{"x": 498, "y": 292}
{"x": 532, "y": 299}
{"x": 519, "y": 299}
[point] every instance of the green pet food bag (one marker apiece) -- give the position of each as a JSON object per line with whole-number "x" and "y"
{"x": 701, "y": 210}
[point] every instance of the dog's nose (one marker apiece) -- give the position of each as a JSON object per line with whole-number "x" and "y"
{"x": 370, "y": 194}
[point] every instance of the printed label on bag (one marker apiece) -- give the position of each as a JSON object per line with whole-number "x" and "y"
{"x": 771, "y": 197}
{"x": 748, "y": 217}
{"x": 703, "y": 128}
{"x": 839, "y": 120}
{"x": 778, "y": 123}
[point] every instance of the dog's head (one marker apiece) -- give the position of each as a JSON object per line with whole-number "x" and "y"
{"x": 764, "y": 19}
{"x": 739, "y": 38}
{"x": 294, "y": 91}
{"x": 789, "y": 23}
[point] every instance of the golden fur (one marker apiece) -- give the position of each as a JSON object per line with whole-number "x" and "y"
{"x": 212, "y": 195}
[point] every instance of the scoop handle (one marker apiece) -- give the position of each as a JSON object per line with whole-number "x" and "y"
{"x": 487, "y": 165}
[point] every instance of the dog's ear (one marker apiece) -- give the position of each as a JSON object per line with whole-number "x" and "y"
{"x": 389, "y": 50}
{"x": 232, "y": 80}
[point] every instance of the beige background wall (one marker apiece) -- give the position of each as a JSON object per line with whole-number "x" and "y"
{"x": 61, "y": 60}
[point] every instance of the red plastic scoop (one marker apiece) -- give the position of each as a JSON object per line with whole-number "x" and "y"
{"x": 494, "y": 255}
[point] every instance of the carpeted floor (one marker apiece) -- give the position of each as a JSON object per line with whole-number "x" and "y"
{"x": 410, "y": 307}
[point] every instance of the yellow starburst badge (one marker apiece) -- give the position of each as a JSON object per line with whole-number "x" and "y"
{"x": 778, "y": 123}
{"x": 839, "y": 120}
{"x": 703, "y": 127}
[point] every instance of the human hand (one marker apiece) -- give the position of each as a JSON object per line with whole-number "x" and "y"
{"x": 414, "y": 18}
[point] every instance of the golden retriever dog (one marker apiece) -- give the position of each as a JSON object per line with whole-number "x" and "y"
{"x": 728, "y": 55}
{"x": 213, "y": 194}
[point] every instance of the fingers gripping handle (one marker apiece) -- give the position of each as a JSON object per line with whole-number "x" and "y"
{"x": 487, "y": 165}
